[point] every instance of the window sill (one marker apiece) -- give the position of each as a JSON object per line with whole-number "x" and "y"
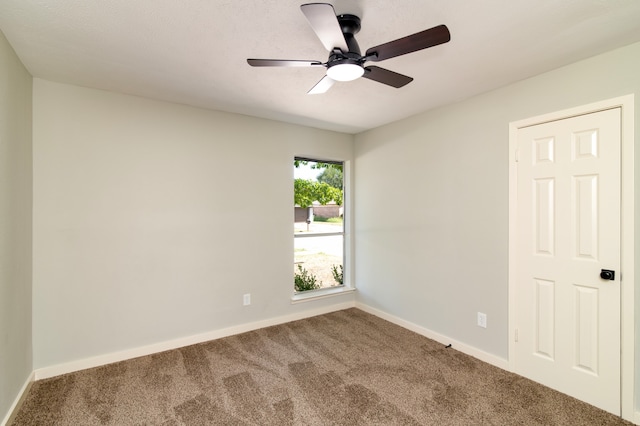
{"x": 308, "y": 296}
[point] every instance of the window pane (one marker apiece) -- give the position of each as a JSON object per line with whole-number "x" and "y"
{"x": 321, "y": 257}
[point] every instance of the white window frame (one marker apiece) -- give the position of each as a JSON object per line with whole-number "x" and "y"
{"x": 347, "y": 253}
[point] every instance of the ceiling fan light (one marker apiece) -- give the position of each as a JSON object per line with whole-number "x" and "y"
{"x": 345, "y": 72}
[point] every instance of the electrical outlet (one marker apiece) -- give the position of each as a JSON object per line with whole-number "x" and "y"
{"x": 246, "y": 299}
{"x": 482, "y": 320}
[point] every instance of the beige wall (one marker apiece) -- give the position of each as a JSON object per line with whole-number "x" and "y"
{"x": 449, "y": 259}
{"x": 147, "y": 220}
{"x": 15, "y": 226}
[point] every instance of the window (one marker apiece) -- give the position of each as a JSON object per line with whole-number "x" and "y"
{"x": 318, "y": 224}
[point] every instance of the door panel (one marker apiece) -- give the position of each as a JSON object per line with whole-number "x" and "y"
{"x": 568, "y": 221}
{"x": 545, "y": 319}
{"x": 545, "y": 216}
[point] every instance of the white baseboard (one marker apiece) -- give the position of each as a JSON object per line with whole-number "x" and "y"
{"x": 636, "y": 418}
{"x": 13, "y": 409}
{"x": 97, "y": 361}
{"x": 462, "y": 347}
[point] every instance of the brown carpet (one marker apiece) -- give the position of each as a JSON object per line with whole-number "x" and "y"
{"x": 343, "y": 368}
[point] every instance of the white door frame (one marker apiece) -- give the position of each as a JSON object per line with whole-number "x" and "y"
{"x": 627, "y": 320}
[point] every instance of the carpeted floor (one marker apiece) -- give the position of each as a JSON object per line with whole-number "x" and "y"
{"x": 343, "y": 368}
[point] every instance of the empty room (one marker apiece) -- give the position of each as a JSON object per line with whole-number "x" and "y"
{"x": 355, "y": 212}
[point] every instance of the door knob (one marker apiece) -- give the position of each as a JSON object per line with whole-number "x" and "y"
{"x": 607, "y": 274}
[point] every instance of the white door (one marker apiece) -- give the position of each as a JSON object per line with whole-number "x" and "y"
{"x": 567, "y": 318}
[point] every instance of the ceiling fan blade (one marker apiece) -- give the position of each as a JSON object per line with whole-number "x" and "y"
{"x": 281, "y": 63}
{"x": 322, "y": 86}
{"x": 323, "y": 20}
{"x": 412, "y": 43}
{"x": 387, "y": 77}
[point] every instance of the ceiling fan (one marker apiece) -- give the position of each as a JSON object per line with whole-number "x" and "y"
{"x": 346, "y": 63}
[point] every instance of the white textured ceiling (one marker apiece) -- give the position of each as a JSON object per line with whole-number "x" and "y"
{"x": 194, "y": 51}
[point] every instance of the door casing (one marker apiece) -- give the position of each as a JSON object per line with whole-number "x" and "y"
{"x": 627, "y": 338}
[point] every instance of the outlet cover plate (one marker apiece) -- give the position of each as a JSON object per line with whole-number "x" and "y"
{"x": 482, "y": 320}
